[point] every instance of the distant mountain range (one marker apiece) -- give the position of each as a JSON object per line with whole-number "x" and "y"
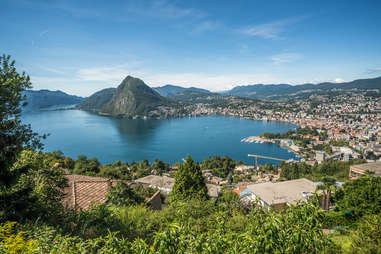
{"x": 132, "y": 97}
{"x": 43, "y": 99}
{"x": 286, "y": 91}
{"x": 171, "y": 90}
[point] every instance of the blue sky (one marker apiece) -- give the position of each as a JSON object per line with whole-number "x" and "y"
{"x": 82, "y": 46}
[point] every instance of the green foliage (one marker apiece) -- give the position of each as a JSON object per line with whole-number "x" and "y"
{"x": 37, "y": 192}
{"x": 297, "y": 230}
{"x": 220, "y": 166}
{"x": 294, "y": 170}
{"x": 28, "y": 189}
{"x": 14, "y": 136}
{"x": 367, "y": 237}
{"x": 361, "y": 196}
{"x": 15, "y": 243}
{"x": 159, "y": 167}
{"x": 85, "y": 166}
{"x": 123, "y": 195}
{"x": 189, "y": 182}
{"x": 334, "y": 219}
{"x": 230, "y": 202}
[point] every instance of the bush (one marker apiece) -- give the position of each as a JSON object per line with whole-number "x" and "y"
{"x": 14, "y": 243}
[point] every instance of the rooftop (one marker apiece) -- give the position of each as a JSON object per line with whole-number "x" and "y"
{"x": 283, "y": 192}
{"x": 161, "y": 182}
{"x": 165, "y": 184}
{"x": 85, "y": 190}
{"x": 371, "y": 166}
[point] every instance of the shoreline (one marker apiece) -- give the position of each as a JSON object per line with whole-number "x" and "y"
{"x": 280, "y": 142}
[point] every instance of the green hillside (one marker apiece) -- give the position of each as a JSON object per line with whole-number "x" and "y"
{"x": 98, "y": 100}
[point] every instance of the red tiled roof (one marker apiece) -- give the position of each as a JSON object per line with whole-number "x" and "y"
{"x": 85, "y": 190}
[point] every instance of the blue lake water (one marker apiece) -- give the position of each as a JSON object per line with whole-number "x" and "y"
{"x": 77, "y": 132}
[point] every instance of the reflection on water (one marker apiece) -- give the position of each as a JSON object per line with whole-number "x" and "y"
{"x": 136, "y": 131}
{"x": 77, "y": 132}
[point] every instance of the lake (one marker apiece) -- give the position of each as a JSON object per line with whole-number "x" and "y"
{"x": 77, "y": 132}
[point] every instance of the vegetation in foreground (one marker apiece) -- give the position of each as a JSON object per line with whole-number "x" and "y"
{"x": 33, "y": 220}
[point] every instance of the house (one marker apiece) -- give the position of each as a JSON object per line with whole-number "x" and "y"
{"x": 243, "y": 168}
{"x": 280, "y": 195}
{"x": 362, "y": 169}
{"x": 162, "y": 183}
{"x": 82, "y": 191}
{"x": 165, "y": 184}
{"x": 320, "y": 156}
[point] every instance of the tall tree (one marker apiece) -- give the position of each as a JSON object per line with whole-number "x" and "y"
{"x": 189, "y": 182}
{"x": 14, "y": 136}
{"x": 25, "y": 190}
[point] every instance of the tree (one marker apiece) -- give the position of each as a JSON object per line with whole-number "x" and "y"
{"x": 360, "y": 196}
{"x": 159, "y": 166}
{"x": 123, "y": 195}
{"x": 14, "y": 136}
{"x": 189, "y": 182}
{"x": 329, "y": 185}
{"x": 85, "y": 166}
{"x": 367, "y": 237}
{"x": 28, "y": 189}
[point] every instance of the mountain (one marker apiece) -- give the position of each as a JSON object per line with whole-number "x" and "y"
{"x": 170, "y": 90}
{"x": 42, "y": 99}
{"x": 285, "y": 91}
{"x": 98, "y": 100}
{"x": 132, "y": 97}
{"x": 194, "y": 97}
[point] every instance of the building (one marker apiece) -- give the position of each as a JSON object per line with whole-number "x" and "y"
{"x": 320, "y": 156}
{"x": 82, "y": 191}
{"x": 165, "y": 184}
{"x": 162, "y": 183}
{"x": 280, "y": 195}
{"x": 362, "y": 169}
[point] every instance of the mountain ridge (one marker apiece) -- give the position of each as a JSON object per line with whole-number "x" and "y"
{"x": 44, "y": 98}
{"x": 261, "y": 91}
{"x": 171, "y": 90}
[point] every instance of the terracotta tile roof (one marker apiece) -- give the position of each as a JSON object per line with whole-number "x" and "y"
{"x": 85, "y": 190}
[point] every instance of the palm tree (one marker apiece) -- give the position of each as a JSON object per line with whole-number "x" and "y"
{"x": 328, "y": 185}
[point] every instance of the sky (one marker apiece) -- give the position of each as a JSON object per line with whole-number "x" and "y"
{"x": 80, "y": 47}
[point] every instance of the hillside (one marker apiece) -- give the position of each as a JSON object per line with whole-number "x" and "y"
{"x": 171, "y": 90}
{"x": 43, "y": 99}
{"x": 215, "y": 99}
{"x": 286, "y": 91}
{"x": 98, "y": 100}
{"x": 131, "y": 98}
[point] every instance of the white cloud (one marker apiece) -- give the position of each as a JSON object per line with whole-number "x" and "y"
{"x": 286, "y": 58}
{"x": 90, "y": 80}
{"x": 213, "y": 82}
{"x": 339, "y": 80}
{"x": 108, "y": 74}
{"x": 270, "y": 30}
